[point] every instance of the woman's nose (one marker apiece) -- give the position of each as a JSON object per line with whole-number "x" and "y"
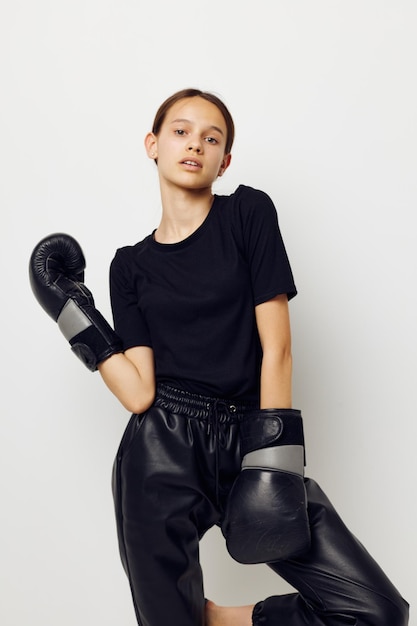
{"x": 194, "y": 146}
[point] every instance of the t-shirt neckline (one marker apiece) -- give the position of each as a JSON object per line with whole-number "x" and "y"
{"x": 196, "y": 234}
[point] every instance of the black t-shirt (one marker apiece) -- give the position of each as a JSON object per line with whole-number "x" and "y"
{"x": 193, "y": 301}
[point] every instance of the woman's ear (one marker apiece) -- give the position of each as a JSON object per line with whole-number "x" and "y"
{"x": 225, "y": 164}
{"x": 151, "y": 146}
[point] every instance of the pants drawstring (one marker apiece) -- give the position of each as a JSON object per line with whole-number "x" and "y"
{"x": 216, "y": 412}
{"x": 218, "y": 408}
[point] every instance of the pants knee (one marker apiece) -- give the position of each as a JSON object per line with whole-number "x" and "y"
{"x": 394, "y": 612}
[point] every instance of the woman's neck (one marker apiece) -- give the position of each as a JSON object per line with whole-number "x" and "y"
{"x": 182, "y": 214}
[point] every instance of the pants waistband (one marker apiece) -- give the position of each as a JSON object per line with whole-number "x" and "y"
{"x": 202, "y": 407}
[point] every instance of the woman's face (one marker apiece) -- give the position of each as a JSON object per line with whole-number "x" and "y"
{"x": 190, "y": 147}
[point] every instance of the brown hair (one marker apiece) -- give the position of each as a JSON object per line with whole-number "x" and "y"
{"x": 193, "y": 93}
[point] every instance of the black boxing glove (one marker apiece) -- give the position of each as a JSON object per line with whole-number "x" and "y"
{"x": 266, "y": 516}
{"x": 56, "y": 272}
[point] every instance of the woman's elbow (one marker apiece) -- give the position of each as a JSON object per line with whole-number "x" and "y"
{"x": 278, "y": 358}
{"x": 141, "y": 402}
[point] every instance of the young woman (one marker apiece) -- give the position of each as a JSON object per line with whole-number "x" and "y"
{"x": 201, "y": 356}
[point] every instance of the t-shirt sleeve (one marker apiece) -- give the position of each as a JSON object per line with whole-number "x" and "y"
{"x": 128, "y": 320}
{"x": 270, "y": 269}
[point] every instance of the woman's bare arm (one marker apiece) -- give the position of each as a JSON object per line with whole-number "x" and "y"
{"x": 131, "y": 378}
{"x": 273, "y": 323}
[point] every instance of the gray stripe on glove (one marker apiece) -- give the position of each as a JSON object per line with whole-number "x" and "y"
{"x": 72, "y": 320}
{"x": 280, "y": 458}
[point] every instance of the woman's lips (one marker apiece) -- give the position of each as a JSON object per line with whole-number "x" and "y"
{"x": 193, "y": 163}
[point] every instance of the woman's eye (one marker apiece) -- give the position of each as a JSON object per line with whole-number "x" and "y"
{"x": 180, "y": 131}
{"x": 211, "y": 140}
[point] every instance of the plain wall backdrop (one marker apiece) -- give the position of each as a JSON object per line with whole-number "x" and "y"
{"x": 324, "y": 97}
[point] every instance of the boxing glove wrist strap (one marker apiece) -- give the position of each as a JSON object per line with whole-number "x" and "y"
{"x": 92, "y": 339}
{"x": 265, "y": 428}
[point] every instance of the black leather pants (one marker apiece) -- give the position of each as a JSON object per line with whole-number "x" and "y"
{"x": 174, "y": 468}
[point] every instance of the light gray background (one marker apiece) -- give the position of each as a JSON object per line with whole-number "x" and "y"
{"x": 324, "y": 98}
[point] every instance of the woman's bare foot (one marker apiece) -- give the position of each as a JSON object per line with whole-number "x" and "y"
{"x": 228, "y": 615}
